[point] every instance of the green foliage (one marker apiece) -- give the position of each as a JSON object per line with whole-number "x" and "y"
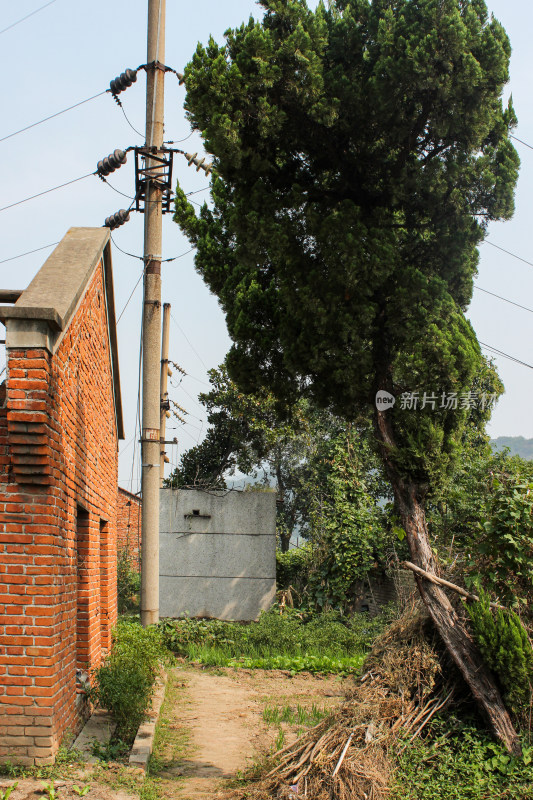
{"x": 300, "y": 715}
{"x": 248, "y": 433}
{"x": 294, "y": 640}
{"x": 49, "y": 790}
{"x": 504, "y": 546}
{"x": 347, "y": 525}
{"x": 81, "y": 791}
{"x": 458, "y": 761}
{"x": 128, "y": 582}
{"x": 292, "y": 568}
{"x": 5, "y": 793}
{"x": 124, "y": 683}
{"x": 506, "y": 650}
{"x": 342, "y": 239}
{"x": 112, "y": 750}
{"x": 244, "y": 429}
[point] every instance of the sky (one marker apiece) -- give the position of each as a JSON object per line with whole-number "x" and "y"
{"x": 69, "y": 51}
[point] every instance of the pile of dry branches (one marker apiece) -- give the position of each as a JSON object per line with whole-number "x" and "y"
{"x": 345, "y": 756}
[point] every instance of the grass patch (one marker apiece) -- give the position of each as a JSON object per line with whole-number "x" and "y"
{"x": 293, "y": 641}
{"x": 171, "y": 741}
{"x": 459, "y": 761}
{"x": 300, "y": 715}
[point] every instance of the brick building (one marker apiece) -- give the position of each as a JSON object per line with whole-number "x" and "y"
{"x": 129, "y": 511}
{"x": 60, "y": 421}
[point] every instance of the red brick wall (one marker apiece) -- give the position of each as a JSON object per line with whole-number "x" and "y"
{"x": 58, "y": 497}
{"x": 129, "y": 510}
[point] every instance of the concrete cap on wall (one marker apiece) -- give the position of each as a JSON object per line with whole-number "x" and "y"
{"x": 44, "y": 310}
{"x": 53, "y": 294}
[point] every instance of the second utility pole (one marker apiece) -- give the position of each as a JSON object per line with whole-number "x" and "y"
{"x": 153, "y": 234}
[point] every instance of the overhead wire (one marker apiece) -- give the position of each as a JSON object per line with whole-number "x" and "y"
{"x": 104, "y": 180}
{"x": 508, "y": 252}
{"x": 31, "y": 14}
{"x": 176, "y": 323}
{"x": 522, "y": 142}
{"x": 28, "y": 252}
{"x": 505, "y": 355}
{"x": 132, "y": 126}
{"x": 129, "y": 298}
{"x": 47, "y": 191}
{"x": 505, "y": 300}
{"x": 57, "y": 114}
{"x": 179, "y": 141}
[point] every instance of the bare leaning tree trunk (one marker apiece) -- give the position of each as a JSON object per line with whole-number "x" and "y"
{"x": 451, "y": 629}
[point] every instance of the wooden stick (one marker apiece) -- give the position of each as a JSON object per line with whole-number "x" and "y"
{"x": 441, "y": 582}
{"x": 433, "y": 711}
{"x": 341, "y": 759}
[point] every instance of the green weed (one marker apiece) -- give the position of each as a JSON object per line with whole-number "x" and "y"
{"x": 273, "y": 715}
{"x": 50, "y": 790}
{"x": 81, "y": 792}
{"x": 110, "y": 751}
{"x": 295, "y": 641}
{"x": 4, "y": 793}
{"x": 458, "y": 761}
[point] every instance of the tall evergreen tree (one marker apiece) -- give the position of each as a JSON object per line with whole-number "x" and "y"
{"x": 360, "y": 152}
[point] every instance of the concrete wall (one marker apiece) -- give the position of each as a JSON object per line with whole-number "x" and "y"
{"x": 217, "y": 553}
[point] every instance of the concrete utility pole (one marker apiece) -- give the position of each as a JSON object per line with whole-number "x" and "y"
{"x": 165, "y": 372}
{"x": 153, "y": 234}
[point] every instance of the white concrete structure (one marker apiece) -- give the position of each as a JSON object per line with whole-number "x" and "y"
{"x": 217, "y": 553}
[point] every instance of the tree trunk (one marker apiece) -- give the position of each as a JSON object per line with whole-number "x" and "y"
{"x": 451, "y": 629}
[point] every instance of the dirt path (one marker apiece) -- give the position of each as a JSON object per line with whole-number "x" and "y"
{"x": 213, "y": 725}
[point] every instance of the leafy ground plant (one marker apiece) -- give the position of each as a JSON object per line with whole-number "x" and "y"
{"x": 294, "y": 641}
{"x": 459, "y": 761}
{"x": 81, "y": 791}
{"x": 5, "y": 793}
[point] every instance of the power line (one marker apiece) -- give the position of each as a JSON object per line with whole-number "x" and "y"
{"x": 129, "y": 196}
{"x": 522, "y": 142}
{"x": 179, "y": 141}
{"x": 28, "y": 252}
{"x": 47, "y": 191}
{"x": 508, "y": 252}
{"x": 188, "y": 194}
{"x": 511, "y": 302}
{"x": 31, "y": 14}
{"x": 129, "y": 298}
{"x": 505, "y": 355}
{"x": 57, "y": 114}
{"x": 119, "y": 103}
{"x": 176, "y": 323}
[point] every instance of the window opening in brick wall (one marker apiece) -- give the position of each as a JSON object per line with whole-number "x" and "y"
{"x": 105, "y": 586}
{"x": 83, "y": 587}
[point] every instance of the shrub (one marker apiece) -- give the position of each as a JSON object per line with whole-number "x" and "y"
{"x": 128, "y": 582}
{"x": 124, "y": 683}
{"x": 506, "y": 649}
{"x": 292, "y": 568}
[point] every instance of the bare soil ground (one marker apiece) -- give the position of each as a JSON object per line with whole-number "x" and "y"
{"x": 216, "y": 716}
{"x": 211, "y": 731}
{"x": 32, "y": 789}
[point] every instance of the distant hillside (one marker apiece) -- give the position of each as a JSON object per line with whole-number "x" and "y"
{"x": 516, "y": 444}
